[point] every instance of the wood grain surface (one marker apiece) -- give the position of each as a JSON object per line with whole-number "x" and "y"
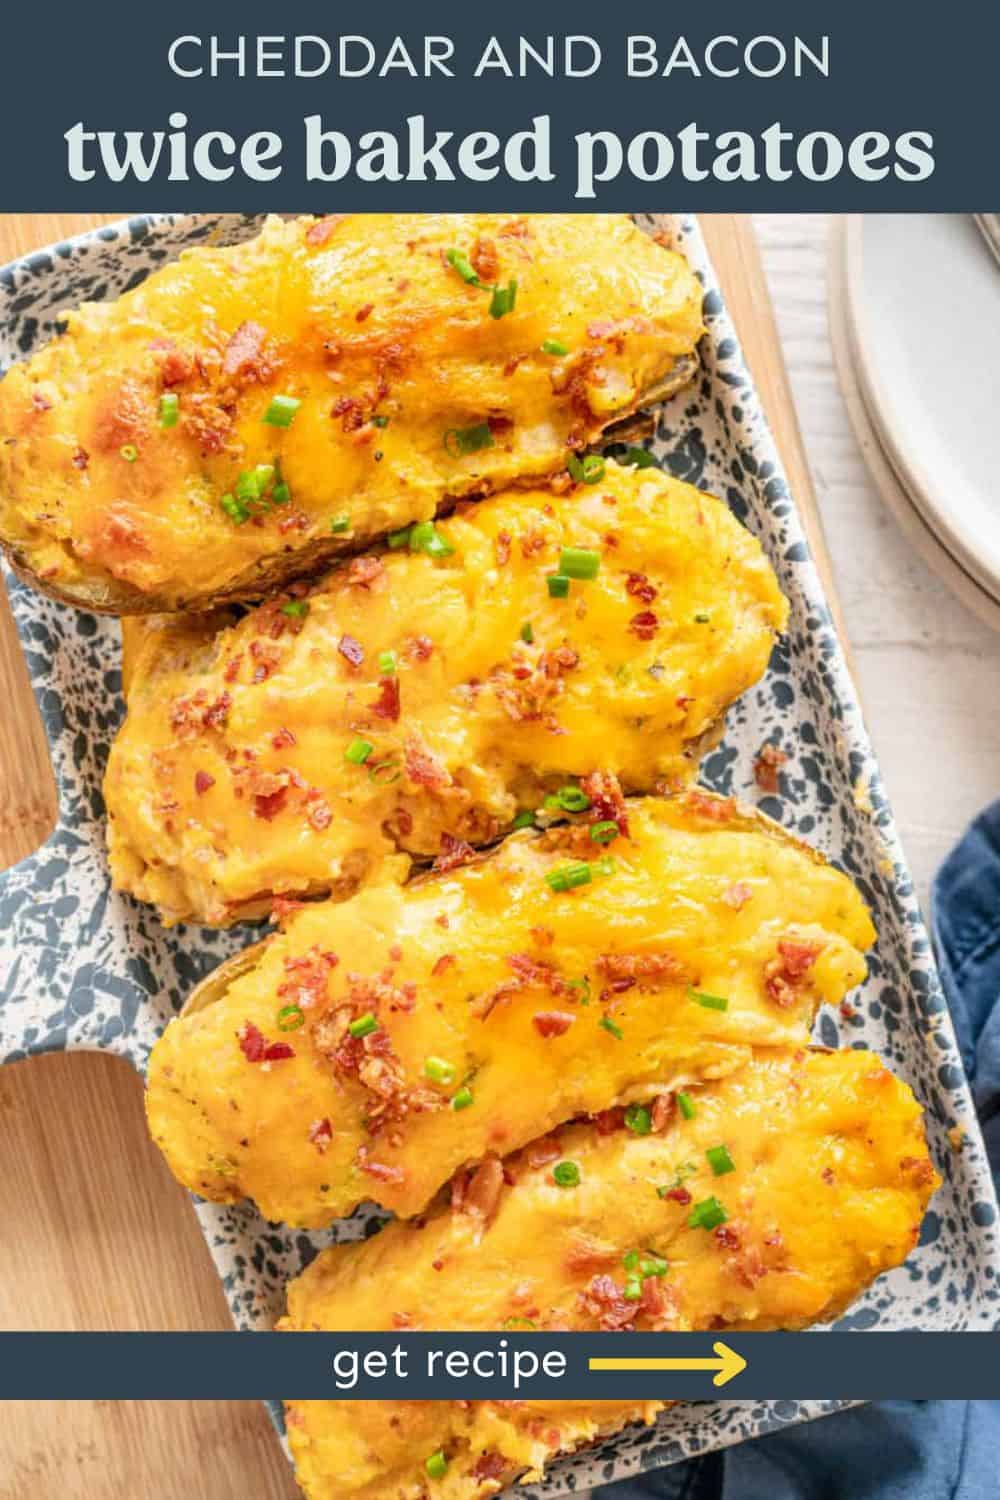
{"x": 95, "y": 1233}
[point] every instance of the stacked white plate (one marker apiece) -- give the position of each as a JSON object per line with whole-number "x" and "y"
{"x": 915, "y": 324}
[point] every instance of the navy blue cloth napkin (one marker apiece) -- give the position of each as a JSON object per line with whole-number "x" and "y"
{"x": 895, "y": 1450}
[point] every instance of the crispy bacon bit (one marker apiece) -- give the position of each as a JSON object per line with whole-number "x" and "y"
{"x": 485, "y": 260}
{"x": 766, "y": 766}
{"x": 307, "y": 975}
{"x": 320, "y": 1135}
{"x": 284, "y": 739}
{"x": 678, "y": 1195}
{"x": 664, "y": 1108}
{"x": 657, "y": 1303}
{"x": 319, "y": 233}
{"x": 442, "y": 964}
{"x": 637, "y": 967}
{"x": 378, "y": 1169}
{"x": 283, "y": 907}
{"x": 586, "y": 1255}
{"x": 176, "y": 365}
{"x": 81, "y": 458}
{"x": 491, "y": 1466}
{"x": 202, "y": 782}
{"x": 365, "y": 571}
{"x": 351, "y": 412}
{"x": 609, "y": 1120}
{"x": 502, "y": 547}
{"x": 727, "y": 1236}
{"x": 737, "y": 895}
{"x": 919, "y": 1169}
{"x": 399, "y": 825}
{"x": 402, "y": 1320}
{"x": 604, "y": 1301}
{"x": 386, "y": 705}
{"x": 364, "y": 312}
{"x": 232, "y": 668}
{"x": 552, "y": 1022}
{"x": 423, "y": 767}
{"x": 245, "y": 357}
{"x": 645, "y": 624}
{"x": 257, "y": 1049}
{"x": 639, "y": 586}
{"x": 454, "y": 852}
{"x": 783, "y": 974}
{"x": 532, "y": 543}
{"x": 829, "y": 1176}
{"x": 351, "y": 650}
{"x": 482, "y": 1194}
{"x": 607, "y": 799}
{"x": 712, "y": 808}
{"x": 267, "y": 805}
{"x": 319, "y": 814}
{"x": 538, "y": 971}
{"x": 122, "y": 416}
{"x": 40, "y": 402}
{"x": 421, "y": 648}
{"x": 207, "y": 420}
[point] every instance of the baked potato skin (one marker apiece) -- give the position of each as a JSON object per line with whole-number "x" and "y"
{"x": 229, "y": 782}
{"x": 357, "y": 317}
{"x": 830, "y": 1180}
{"x": 541, "y": 1004}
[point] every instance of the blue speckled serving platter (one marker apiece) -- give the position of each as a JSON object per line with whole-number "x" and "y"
{"x": 84, "y": 967}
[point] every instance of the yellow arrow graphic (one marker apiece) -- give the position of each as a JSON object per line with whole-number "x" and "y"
{"x": 727, "y": 1364}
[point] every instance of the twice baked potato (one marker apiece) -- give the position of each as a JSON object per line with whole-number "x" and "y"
{"x": 248, "y": 413}
{"x": 790, "y": 1186}
{"x": 379, "y": 1044}
{"x": 428, "y": 695}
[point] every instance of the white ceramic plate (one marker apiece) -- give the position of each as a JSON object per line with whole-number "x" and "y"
{"x": 921, "y": 300}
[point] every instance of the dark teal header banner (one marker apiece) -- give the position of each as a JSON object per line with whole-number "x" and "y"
{"x": 466, "y": 1366}
{"x": 560, "y": 106}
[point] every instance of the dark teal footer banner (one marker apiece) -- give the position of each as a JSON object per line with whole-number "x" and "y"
{"x": 466, "y": 1366}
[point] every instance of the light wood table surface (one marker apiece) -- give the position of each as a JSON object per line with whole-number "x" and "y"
{"x": 95, "y": 1233}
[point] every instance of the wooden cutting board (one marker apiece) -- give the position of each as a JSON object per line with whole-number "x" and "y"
{"x": 95, "y": 1233}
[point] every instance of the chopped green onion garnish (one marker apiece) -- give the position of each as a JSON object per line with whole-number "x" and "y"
{"x": 558, "y": 585}
{"x": 708, "y": 1214}
{"x": 553, "y": 346}
{"x": 170, "y": 409}
{"x": 251, "y": 484}
{"x": 708, "y": 1002}
{"x": 281, "y": 494}
{"x": 608, "y": 1025}
{"x": 358, "y": 752}
{"x": 380, "y": 421}
{"x": 587, "y": 470}
{"x": 572, "y": 799}
{"x": 524, "y": 820}
{"x": 630, "y": 1260}
{"x": 463, "y": 266}
{"x": 385, "y": 772}
{"x": 702, "y": 617}
{"x": 387, "y": 663}
{"x": 364, "y": 1025}
{"x": 604, "y": 832}
{"x": 720, "y": 1160}
{"x": 461, "y": 440}
{"x": 515, "y": 1323}
{"x": 234, "y": 509}
{"x": 339, "y": 523}
{"x": 528, "y": 633}
{"x": 653, "y": 1265}
{"x": 462, "y": 1099}
{"x": 296, "y": 609}
{"x": 290, "y": 1018}
{"x": 438, "y": 1070}
{"x": 503, "y": 299}
{"x": 638, "y": 1119}
{"x": 579, "y": 562}
{"x": 639, "y": 458}
{"x": 566, "y": 1174}
{"x": 129, "y": 452}
{"x": 436, "y": 1465}
{"x": 565, "y": 877}
{"x": 397, "y": 539}
{"x": 281, "y": 412}
{"x": 686, "y": 1106}
{"x": 632, "y": 1290}
{"x": 425, "y": 537}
